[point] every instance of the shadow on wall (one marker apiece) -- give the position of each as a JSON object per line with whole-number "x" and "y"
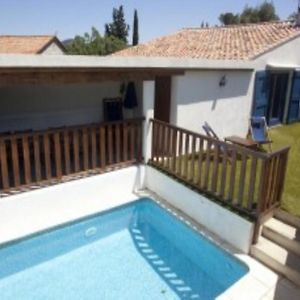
{"x": 197, "y": 87}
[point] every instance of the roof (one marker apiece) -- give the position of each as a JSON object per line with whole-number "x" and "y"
{"x": 238, "y": 42}
{"x": 27, "y": 44}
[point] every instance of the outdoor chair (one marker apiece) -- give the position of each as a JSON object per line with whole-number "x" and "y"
{"x": 209, "y": 131}
{"x": 212, "y": 134}
{"x": 259, "y": 131}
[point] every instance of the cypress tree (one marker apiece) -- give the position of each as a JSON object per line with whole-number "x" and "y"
{"x": 135, "y": 35}
{"x": 118, "y": 27}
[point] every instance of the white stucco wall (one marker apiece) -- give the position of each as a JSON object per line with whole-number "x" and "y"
{"x": 230, "y": 227}
{"x": 197, "y": 97}
{"x": 286, "y": 54}
{"x": 42, "y": 106}
{"x": 53, "y": 49}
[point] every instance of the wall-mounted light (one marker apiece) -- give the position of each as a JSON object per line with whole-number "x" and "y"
{"x": 223, "y": 81}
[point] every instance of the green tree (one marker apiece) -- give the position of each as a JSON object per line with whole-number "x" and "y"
{"x": 118, "y": 27}
{"x": 94, "y": 44}
{"x": 293, "y": 16}
{"x": 265, "y": 12}
{"x": 229, "y": 18}
{"x": 135, "y": 34}
{"x": 249, "y": 15}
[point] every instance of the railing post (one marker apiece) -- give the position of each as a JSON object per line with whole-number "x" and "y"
{"x": 260, "y": 201}
{"x": 283, "y": 168}
{"x": 262, "y": 189}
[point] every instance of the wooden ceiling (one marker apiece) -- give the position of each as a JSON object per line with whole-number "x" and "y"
{"x": 57, "y": 76}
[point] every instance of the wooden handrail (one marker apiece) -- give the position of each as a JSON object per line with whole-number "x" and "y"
{"x": 38, "y": 156}
{"x": 71, "y": 127}
{"x": 249, "y": 181}
{"x": 213, "y": 140}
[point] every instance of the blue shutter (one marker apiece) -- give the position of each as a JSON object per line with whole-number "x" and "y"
{"x": 293, "y": 114}
{"x": 261, "y": 94}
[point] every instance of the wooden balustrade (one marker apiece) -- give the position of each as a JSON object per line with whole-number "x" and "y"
{"x": 248, "y": 181}
{"x": 28, "y": 158}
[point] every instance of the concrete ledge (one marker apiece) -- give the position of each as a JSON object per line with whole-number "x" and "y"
{"x": 227, "y": 225}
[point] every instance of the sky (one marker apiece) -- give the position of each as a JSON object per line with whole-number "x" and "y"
{"x": 66, "y": 18}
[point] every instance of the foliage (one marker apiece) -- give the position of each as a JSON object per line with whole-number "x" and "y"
{"x": 94, "y": 44}
{"x": 249, "y": 15}
{"x": 264, "y": 12}
{"x": 118, "y": 27}
{"x": 293, "y": 16}
{"x": 135, "y": 35}
{"x": 229, "y": 18}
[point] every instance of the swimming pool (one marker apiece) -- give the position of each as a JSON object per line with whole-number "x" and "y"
{"x": 136, "y": 251}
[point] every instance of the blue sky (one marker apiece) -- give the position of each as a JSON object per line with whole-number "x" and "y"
{"x": 157, "y": 17}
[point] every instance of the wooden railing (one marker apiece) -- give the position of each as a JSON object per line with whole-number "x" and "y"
{"x": 248, "y": 181}
{"x": 32, "y": 157}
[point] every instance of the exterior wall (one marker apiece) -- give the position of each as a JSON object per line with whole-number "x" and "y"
{"x": 40, "y": 107}
{"x": 227, "y": 225}
{"x": 197, "y": 97}
{"x": 53, "y": 49}
{"x": 65, "y": 202}
{"x": 287, "y": 54}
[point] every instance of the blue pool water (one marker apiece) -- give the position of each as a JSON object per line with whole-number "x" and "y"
{"x": 137, "y": 251}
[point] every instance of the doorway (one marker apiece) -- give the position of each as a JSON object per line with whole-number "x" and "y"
{"x": 162, "y": 104}
{"x": 277, "y": 98}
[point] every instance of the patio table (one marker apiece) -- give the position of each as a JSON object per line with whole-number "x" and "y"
{"x": 242, "y": 142}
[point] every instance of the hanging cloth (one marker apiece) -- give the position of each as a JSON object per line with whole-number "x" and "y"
{"x": 130, "y": 100}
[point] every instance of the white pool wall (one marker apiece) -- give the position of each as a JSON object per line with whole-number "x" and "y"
{"x": 32, "y": 211}
{"x": 40, "y": 209}
{"x": 229, "y": 226}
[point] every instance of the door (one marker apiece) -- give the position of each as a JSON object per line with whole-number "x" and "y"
{"x": 162, "y": 105}
{"x": 278, "y": 97}
{"x": 261, "y": 94}
{"x": 293, "y": 114}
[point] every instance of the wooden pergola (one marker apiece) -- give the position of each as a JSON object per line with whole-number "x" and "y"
{"x": 33, "y": 157}
{"x": 71, "y": 75}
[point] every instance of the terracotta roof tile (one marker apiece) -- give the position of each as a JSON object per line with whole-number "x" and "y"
{"x": 10, "y": 44}
{"x": 240, "y": 42}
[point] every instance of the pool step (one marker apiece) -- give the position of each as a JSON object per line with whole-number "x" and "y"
{"x": 278, "y": 258}
{"x": 278, "y": 246}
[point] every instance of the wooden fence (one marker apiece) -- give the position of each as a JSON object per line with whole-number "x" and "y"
{"x": 33, "y": 157}
{"x": 248, "y": 181}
